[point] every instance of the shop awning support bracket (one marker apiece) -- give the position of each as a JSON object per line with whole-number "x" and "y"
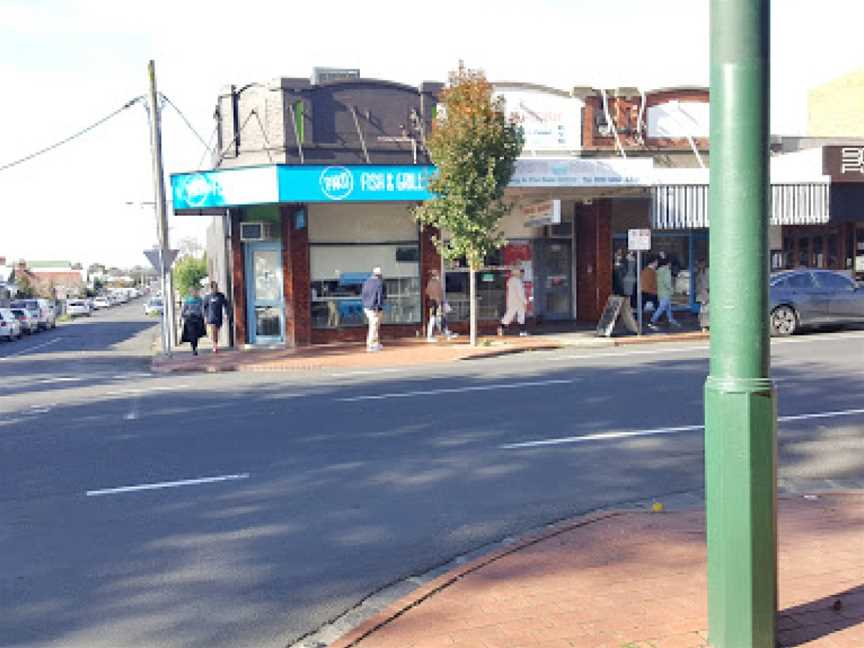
{"x": 296, "y": 134}
{"x": 360, "y": 134}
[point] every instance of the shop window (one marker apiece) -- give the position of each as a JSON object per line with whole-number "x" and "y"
{"x": 338, "y": 273}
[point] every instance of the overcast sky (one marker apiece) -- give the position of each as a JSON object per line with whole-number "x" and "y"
{"x": 65, "y": 64}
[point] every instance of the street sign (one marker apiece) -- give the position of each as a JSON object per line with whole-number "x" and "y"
{"x": 639, "y": 239}
{"x": 153, "y": 257}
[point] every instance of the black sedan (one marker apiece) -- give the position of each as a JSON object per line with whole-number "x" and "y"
{"x": 813, "y": 298}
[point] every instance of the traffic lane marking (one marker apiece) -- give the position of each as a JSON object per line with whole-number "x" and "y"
{"x": 606, "y": 436}
{"x": 455, "y": 390}
{"x": 167, "y": 484}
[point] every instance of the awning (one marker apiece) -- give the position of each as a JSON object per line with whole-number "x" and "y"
{"x": 685, "y": 206}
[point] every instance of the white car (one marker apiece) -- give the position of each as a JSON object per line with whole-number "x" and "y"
{"x": 29, "y": 323}
{"x": 153, "y": 307}
{"x": 10, "y": 327}
{"x": 101, "y": 302}
{"x": 77, "y": 307}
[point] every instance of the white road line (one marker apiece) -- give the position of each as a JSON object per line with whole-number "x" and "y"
{"x": 134, "y": 391}
{"x": 59, "y": 379}
{"x": 169, "y": 484}
{"x": 604, "y": 436}
{"x": 455, "y": 390}
{"x": 33, "y": 348}
{"x": 365, "y": 372}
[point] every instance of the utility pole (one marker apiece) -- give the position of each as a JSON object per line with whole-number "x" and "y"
{"x": 740, "y": 401}
{"x": 161, "y": 212}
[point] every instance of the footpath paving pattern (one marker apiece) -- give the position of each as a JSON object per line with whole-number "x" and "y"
{"x": 407, "y": 352}
{"x": 633, "y": 580}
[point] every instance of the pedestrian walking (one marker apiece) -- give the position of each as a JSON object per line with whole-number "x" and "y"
{"x": 664, "y": 293}
{"x": 437, "y": 307}
{"x": 374, "y": 294}
{"x": 702, "y": 294}
{"x": 215, "y": 304}
{"x": 648, "y": 281}
{"x": 192, "y": 314}
{"x": 517, "y": 302}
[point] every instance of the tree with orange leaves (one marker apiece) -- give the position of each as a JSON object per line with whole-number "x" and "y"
{"x": 474, "y": 147}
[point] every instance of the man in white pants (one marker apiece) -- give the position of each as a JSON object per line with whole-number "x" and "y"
{"x": 516, "y": 303}
{"x": 374, "y": 294}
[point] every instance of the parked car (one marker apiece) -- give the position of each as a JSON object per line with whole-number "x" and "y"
{"x": 42, "y": 309}
{"x": 77, "y": 308}
{"x": 101, "y": 302}
{"x": 10, "y": 327}
{"x": 29, "y": 324}
{"x": 803, "y": 298}
{"x": 154, "y": 307}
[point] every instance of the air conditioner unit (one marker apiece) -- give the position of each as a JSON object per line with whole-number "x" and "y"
{"x": 250, "y": 232}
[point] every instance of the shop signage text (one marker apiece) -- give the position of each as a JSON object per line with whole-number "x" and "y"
{"x": 299, "y": 184}
{"x": 583, "y": 173}
{"x": 538, "y": 213}
{"x": 843, "y": 163}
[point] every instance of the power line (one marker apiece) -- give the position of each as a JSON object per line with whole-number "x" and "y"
{"x": 186, "y": 121}
{"x": 76, "y": 135}
{"x": 209, "y": 147}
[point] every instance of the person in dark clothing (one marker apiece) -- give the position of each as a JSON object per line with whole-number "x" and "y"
{"x": 215, "y": 304}
{"x": 193, "y": 320}
{"x": 374, "y": 294}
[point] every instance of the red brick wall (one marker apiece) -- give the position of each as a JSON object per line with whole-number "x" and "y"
{"x": 430, "y": 259}
{"x": 625, "y": 113}
{"x": 238, "y": 281}
{"x": 296, "y": 278}
{"x": 594, "y": 258}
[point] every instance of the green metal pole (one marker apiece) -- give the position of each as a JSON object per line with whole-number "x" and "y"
{"x": 740, "y": 403}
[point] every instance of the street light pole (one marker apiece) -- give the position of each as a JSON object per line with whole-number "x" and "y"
{"x": 740, "y": 402}
{"x": 161, "y": 212}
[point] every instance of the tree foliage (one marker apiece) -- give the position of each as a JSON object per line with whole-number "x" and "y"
{"x": 188, "y": 272}
{"x": 474, "y": 147}
{"x": 23, "y": 286}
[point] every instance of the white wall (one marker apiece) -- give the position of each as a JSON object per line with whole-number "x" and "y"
{"x": 361, "y": 223}
{"x": 677, "y": 119}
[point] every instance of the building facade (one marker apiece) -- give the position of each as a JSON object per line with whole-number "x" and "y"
{"x": 314, "y": 184}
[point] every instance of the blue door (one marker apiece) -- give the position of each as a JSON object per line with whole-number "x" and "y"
{"x": 265, "y": 301}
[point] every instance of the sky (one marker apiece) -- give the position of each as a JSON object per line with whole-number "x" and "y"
{"x": 66, "y": 64}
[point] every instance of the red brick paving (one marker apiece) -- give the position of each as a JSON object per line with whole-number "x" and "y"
{"x": 396, "y": 353}
{"x": 633, "y": 580}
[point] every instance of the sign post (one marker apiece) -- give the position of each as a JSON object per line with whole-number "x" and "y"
{"x": 154, "y": 256}
{"x": 639, "y": 239}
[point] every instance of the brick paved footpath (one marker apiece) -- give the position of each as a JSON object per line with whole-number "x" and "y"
{"x": 633, "y": 580}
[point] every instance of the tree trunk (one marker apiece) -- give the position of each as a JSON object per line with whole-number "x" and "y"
{"x": 472, "y": 276}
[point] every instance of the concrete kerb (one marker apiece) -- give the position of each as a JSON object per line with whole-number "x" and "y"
{"x": 387, "y": 605}
{"x": 392, "y": 601}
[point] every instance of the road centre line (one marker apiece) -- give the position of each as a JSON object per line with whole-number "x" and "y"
{"x": 33, "y": 348}
{"x": 132, "y": 391}
{"x": 168, "y": 484}
{"x": 605, "y": 436}
{"x": 455, "y": 390}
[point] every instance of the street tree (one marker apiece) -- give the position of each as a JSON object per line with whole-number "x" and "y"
{"x": 188, "y": 272}
{"x": 474, "y": 147}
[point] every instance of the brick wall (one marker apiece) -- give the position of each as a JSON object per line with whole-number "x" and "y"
{"x": 594, "y": 258}
{"x": 238, "y": 281}
{"x": 296, "y": 278}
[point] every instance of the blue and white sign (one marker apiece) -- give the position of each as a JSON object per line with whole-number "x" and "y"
{"x": 225, "y": 188}
{"x": 299, "y": 184}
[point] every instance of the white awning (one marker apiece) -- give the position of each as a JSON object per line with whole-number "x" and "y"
{"x": 685, "y": 206}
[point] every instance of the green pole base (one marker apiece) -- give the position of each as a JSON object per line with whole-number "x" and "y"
{"x": 741, "y": 508}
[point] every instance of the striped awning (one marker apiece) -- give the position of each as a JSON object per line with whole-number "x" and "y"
{"x": 685, "y": 206}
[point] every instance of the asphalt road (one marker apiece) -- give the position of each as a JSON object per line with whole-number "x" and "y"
{"x": 246, "y": 510}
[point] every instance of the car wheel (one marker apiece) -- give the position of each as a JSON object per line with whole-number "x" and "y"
{"x": 784, "y": 321}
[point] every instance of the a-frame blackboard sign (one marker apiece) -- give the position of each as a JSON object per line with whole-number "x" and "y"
{"x": 610, "y": 315}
